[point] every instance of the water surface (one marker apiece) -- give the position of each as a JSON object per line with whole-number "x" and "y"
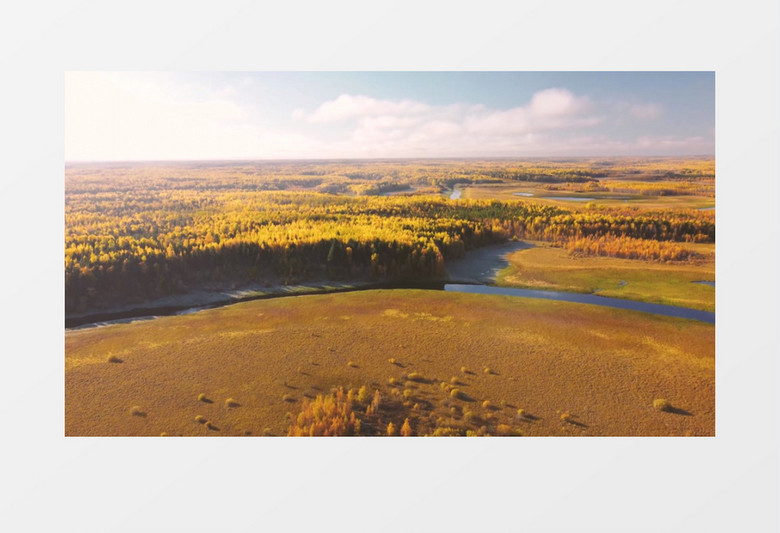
{"x": 618, "y": 303}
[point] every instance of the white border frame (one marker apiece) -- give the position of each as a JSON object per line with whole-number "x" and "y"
{"x": 725, "y": 483}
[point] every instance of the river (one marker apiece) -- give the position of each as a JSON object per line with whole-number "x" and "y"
{"x": 473, "y": 274}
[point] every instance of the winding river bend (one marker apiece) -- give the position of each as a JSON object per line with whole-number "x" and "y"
{"x": 473, "y": 274}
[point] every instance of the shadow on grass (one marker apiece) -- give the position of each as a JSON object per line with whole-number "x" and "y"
{"x": 571, "y": 420}
{"x": 463, "y": 396}
{"x": 678, "y": 411}
{"x": 528, "y": 418}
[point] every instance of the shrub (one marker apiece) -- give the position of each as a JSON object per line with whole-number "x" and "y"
{"x": 392, "y": 381}
{"x": 391, "y": 430}
{"x": 137, "y": 411}
{"x": 521, "y": 413}
{"x": 230, "y": 402}
{"x": 456, "y": 393}
{"x": 392, "y": 361}
{"x": 329, "y": 415}
{"x": 565, "y": 417}
{"x": 464, "y": 370}
{"x": 487, "y": 405}
{"x": 363, "y": 395}
{"x": 415, "y": 376}
{"x": 376, "y": 402}
{"x": 114, "y": 359}
{"x": 406, "y": 429}
{"x": 288, "y": 398}
{"x": 352, "y": 364}
{"x": 210, "y": 425}
{"x": 200, "y": 419}
{"x": 469, "y": 416}
{"x": 507, "y": 431}
{"x": 660, "y": 404}
{"x": 487, "y": 370}
{"x": 202, "y": 397}
{"x": 455, "y": 381}
{"x": 408, "y": 393}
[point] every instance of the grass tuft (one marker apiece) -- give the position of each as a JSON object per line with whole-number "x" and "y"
{"x": 458, "y": 394}
{"x": 660, "y": 404}
{"x": 230, "y": 402}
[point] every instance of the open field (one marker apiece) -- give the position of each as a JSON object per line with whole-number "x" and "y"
{"x": 572, "y": 369}
{"x": 545, "y": 267}
{"x": 562, "y": 198}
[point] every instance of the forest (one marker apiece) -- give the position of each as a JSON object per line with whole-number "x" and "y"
{"x": 140, "y": 231}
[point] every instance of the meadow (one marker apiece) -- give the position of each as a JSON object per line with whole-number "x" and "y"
{"x": 670, "y": 283}
{"x": 450, "y": 364}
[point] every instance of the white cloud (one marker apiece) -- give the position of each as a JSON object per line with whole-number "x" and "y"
{"x": 118, "y": 116}
{"x": 556, "y": 102}
{"x": 347, "y": 107}
{"x": 395, "y": 128}
{"x": 114, "y": 116}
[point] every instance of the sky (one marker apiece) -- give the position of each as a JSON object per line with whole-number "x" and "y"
{"x": 147, "y": 116}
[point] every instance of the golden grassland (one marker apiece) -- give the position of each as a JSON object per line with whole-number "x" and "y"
{"x": 448, "y": 363}
{"x": 546, "y": 267}
{"x": 543, "y": 195}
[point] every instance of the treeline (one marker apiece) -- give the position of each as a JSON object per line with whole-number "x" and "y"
{"x": 127, "y": 239}
{"x": 628, "y": 248}
{"x": 125, "y": 247}
{"x": 374, "y": 177}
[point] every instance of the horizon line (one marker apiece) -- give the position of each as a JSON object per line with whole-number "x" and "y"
{"x": 409, "y": 158}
